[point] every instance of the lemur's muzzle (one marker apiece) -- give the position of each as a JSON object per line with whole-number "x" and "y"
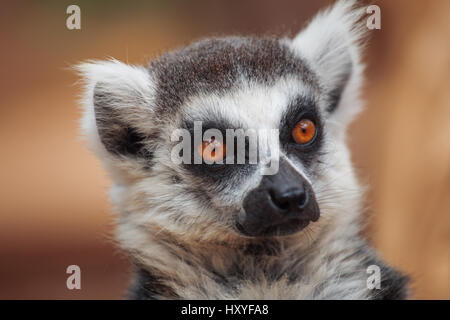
{"x": 282, "y": 204}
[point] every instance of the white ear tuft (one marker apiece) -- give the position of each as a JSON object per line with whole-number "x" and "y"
{"x": 116, "y": 97}
{"x": 331, "y": 44}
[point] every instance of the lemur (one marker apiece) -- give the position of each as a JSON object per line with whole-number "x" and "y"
{"x": 229, "y": 231}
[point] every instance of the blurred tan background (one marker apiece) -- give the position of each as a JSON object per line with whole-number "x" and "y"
{"x": 54, "y": 209}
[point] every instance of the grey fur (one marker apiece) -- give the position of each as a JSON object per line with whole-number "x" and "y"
{"x": 219, "y": 64}
{"x": 178, "y": 222}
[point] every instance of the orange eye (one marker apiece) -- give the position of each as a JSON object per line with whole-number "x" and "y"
{"x": 212, "y": 150}
{"x": 304, "y": 131}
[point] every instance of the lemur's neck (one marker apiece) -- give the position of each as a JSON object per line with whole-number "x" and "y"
{"x": 180, "y": 267}
{"x": 173, "y": 268}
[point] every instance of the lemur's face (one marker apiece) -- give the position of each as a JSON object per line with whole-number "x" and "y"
{"x": 275, "y": 118}
{"x": 263, "y": 125}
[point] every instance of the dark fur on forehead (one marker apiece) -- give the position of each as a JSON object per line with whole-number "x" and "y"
{"x": 217, "y": 65}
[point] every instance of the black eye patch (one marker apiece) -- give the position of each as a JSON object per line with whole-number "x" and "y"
{"x": 225, "y": 173}
{"x": 301, "y": 108}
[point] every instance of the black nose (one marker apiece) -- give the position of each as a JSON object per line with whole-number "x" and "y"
{"x": 285, "y": 200}
{"x": 282, "y": 204}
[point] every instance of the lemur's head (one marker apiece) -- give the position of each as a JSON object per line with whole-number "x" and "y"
{"x": 302, "y": 90}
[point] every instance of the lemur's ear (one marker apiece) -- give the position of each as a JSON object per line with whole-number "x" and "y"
{"x": 117, "y": 103}
{"x": 331, "y": 44}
